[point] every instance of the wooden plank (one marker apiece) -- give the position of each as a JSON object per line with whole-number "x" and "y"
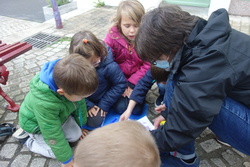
{"x": 11, "y": 55}
{"x": 10, "y": 48}
{"x": 6, "y": 46}
{"x": 3, "y": 46}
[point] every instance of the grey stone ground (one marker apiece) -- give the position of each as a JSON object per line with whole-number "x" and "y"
{"x": 24, "y": 67}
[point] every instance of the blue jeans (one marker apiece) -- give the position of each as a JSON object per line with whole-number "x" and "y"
{"x": 161, "y": 88}
{"x": 121, "y": 105}
{"x": 231, "y": 125}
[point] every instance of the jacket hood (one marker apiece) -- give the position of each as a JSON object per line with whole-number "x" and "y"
{"x": 46, "y": 74}
{"x": 205, "y": 33}
{"x": 107, "y": 60}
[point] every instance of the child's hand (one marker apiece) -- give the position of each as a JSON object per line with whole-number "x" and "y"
{"x": 124, "y": 93}
{"x": 160, "y": 108}
{"x": 70, "y": 164}
{"x": 93, "y": 111}
{"x": 127, "y": 92}
{"x": 103, "y": 113}
{"x": 85, "y": 132}
{"x": 158, "y": 121}
{"x": 125, "y": 115}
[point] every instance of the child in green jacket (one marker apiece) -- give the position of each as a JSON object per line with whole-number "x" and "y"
{"x": 54, "y": 111}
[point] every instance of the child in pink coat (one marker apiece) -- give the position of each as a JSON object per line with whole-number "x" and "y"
{"x": 121, "y": 40}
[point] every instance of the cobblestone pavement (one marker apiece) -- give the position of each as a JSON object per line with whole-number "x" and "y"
{"x": 24, "y": 67}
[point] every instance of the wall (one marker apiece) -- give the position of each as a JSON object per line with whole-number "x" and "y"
{"x": 239, "y": 7}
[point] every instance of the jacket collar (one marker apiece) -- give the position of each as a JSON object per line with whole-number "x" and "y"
{"x": 115, "y": 34}
{"x": 203, "y": 34}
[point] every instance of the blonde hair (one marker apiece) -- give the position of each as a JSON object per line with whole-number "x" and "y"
{"x": 121, "y": 144}
{"x": 75, "y": 75}
{"x": 133, "y": 9}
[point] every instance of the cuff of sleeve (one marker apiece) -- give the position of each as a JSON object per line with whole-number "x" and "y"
{"x": 132, "y": 86}
{"x": 67, "y": 161}
{"x": 84, "y": 126}
{"x": 164, "y": 114}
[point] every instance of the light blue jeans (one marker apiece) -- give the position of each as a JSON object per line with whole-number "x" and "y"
{"x": 231, "y": 125}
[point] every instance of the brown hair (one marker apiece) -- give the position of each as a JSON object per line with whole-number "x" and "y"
{"x": 125, "y": 143}
{"x": 163, "y": 30}
{"x": 75, "y": 75}
{"x": 159, "y": 74}
{"x": 86, "y": 44}
{"x": 133, "y": 9}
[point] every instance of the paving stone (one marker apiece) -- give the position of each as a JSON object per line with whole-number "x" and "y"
{"x": 218, "y": 162}
{"x": 231, "y": 158}
{"x": 246, "y": 164}
{"x": 210, "y": 145}
{"x": 21, "y": 160}
{"x": 240, "y": 153}
{"x": 25, "y": 149}
{"x": 54, "y": 163}
{"x": 206, "y": 132}
{"x": 38, "y": 162}
{"x": 11, "y": 116}
{"x": 11, "y": 139}
{"x": 204, "y": 163}
{"x": 4, "y": 163}
{"x": 8, "y": 150}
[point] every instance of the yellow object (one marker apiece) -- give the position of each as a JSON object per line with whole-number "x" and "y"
{"x": 162, "y": 122}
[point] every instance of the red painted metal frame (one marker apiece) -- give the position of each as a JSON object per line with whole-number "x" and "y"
{"x": 7, "y": 53}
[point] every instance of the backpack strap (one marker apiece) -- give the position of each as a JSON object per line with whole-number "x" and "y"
{"x": 7, "y": 129}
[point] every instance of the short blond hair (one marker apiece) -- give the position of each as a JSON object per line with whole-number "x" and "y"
{"x": 121, "y": 144}
{"x": 133, "y": 9}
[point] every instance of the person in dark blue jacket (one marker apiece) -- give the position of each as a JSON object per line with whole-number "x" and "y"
{"x": 112, "y": 82}
{"x": 154, "y": 74}
{"x": 209, "y": 81}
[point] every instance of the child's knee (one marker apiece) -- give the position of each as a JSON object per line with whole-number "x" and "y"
{"x": 95, "y": 121}
{"x": 138, "y": 109}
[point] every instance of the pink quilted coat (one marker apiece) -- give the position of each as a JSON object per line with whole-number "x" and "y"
{"x": 126, "y": 57}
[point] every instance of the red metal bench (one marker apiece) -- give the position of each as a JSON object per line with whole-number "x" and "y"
{"x": 7, "y": 53}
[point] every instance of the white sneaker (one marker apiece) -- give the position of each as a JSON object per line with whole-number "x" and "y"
{"x": 221, "y": 142}
{"x": 21, "y": 135}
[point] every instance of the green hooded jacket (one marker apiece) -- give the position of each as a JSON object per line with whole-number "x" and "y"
{"x": 44, "y": 111}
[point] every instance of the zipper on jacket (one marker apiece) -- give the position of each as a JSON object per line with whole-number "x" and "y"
{"x": 79, "y": 113}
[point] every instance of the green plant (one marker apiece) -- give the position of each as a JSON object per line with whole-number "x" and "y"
{"x": 63, "y": 39}
{"x": 99, "y": 3}
{"x": 59, "y": 2}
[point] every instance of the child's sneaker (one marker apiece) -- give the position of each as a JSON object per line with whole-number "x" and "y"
{"x": 21, "y": 135}
{"x": 221, "y": 142}
{"x": 168, "y": 160}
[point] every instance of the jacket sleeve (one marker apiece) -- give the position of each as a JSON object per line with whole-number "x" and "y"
{"x": 139, "y": 73}
{"x": 51, "y": 129}
{"x": 199, "y": 92}
{"x": 119, "y": 84}
{"x": 89, "y": 104}
{"x": 144, "y": 84}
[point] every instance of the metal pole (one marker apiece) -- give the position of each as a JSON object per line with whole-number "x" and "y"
{"x": 57, "y": 15}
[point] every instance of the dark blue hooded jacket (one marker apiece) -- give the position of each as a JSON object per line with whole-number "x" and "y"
{"x": 212, "y": 64}
{"x": 112, "y": 84}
